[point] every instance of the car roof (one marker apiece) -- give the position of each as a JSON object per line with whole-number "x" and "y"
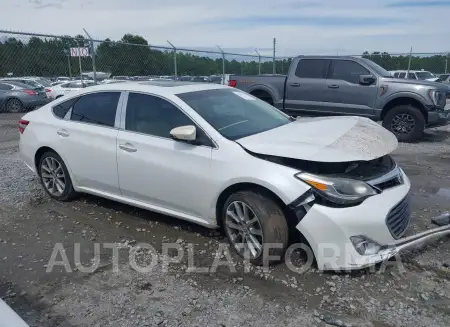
{"x": 159, "y": 87}
{"x": 15, "y": 83}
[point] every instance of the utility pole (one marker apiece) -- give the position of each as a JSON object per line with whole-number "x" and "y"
{"x": 259, "y": 62}
{"x": 174, "y": 60}
{"x": 92, "y": 50}
{"x": 273, "y": 59}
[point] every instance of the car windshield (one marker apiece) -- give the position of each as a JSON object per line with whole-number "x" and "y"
{"x": 234, "y": 114}
{"x": 377, "y": 68}
{"x": 424, "y": 75}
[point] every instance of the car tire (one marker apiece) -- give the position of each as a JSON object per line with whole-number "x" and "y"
{"x": 270, "y": 223}
{"x": 406, "y": 122}
{"x": 52, "y": 171}
{"x": 14, "y": 106}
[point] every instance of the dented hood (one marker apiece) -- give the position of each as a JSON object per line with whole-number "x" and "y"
{"x": 328, "y": 139}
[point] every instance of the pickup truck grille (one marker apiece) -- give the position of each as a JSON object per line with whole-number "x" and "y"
{"x": 399, "y": 217}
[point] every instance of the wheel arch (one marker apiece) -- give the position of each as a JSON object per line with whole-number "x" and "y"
{"x": 250, "y": 186}
{"x": 263, "y": 93}
{"x": 405, "y": 101}
{"x": 43, "y": 149}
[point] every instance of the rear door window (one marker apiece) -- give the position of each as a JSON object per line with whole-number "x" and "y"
{"x": 312, "y": 68}
{"x": 402, "y": 75}
{"x": 96, "y": 108}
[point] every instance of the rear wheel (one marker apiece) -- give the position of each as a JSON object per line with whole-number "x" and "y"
{"x": 252, "y": 220}
{"x": 55, "y": 177}
{"x": 14, "y": 106}
{"x": 406, "y": 122}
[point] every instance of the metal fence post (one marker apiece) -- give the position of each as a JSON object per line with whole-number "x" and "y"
{"x": 223, "y": 64}
{"x": 446, "y": 63}
{"x": 259, "y": 62}
{"x": 273, "y": 59}
{"x": 175, "y": 68}
{"x": 91, "y": 43}
{"x": 409, "y": 64}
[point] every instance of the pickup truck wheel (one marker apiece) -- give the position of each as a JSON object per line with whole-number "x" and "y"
{"x": 252, "y": 220}
{"x": 406, "y": 122}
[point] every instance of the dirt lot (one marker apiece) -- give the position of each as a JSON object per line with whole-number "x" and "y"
{"x": 31, "y": 225}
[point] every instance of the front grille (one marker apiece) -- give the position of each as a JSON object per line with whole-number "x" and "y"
{"x": 399, "y": 217}
{"x": 395, "y": 181}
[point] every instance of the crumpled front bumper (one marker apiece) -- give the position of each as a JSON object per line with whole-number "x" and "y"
{"x": 329, "y": 230}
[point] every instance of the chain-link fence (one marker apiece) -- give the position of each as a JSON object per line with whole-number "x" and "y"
{"x": 28, "y": 54}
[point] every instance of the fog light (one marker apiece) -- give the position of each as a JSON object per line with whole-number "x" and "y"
{"x": 364, "y": 245}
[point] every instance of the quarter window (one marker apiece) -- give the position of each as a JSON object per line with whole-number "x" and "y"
{"x": 347, "y": 70}
{"x": 63, "y": 108}
{"x": 96, "y": 108}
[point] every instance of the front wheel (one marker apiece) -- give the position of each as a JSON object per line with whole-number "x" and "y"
{"x": 406, "y": 122}
{"x": 255, "y": 226}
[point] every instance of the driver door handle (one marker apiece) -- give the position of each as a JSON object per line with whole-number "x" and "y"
{"x": 63, "y": 132}
{"x": 295, "y": 84}
{"x": 127, "y": 147}
{"x": 333, "y": 86}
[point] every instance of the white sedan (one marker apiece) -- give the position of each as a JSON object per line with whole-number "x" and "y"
{"x": 59, "y": 90}
{"x": 218, "y": 157}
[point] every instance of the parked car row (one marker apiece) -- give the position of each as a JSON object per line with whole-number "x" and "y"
{"x": 319, "y": 85}
{"x": 218, "y": 79}
{"x": 19, "y": 94}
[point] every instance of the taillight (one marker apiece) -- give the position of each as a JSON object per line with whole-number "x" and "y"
{"x": 22, "y": 125}
{"x": 30, "y": 92}
{"x": 232, "y": 83}
{"x": 48, "y": 90}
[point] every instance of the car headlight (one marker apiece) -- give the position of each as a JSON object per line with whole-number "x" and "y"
{"x": 438, "y": 97}
{"x": 338, "y": 190}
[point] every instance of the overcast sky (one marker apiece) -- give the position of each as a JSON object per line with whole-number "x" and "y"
{"x": 301, "y": 27}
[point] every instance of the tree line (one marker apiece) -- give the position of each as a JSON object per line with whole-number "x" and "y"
{"x": 132, "y": 56}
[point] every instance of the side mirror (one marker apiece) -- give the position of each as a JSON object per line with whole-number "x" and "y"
{"x": 366, "y": 79}
{"x": 184, "y": 133}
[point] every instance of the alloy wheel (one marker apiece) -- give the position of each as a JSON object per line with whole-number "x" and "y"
{"x": 244, "y": 229}
{"x": 14, "y": 106}
{"x": 53, "y": 176}
{"x": 403, "y": 123}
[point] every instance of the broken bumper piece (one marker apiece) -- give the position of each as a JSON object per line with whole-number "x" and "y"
{"x": 388, "y": 251}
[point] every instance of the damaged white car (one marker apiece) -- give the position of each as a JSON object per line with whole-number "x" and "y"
{"x": 219, "y": 157}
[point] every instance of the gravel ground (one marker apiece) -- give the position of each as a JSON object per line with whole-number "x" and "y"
{"x": 31, "y": 225}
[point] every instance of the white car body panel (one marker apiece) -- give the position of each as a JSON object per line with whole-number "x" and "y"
{"x": 8, "y": 318}
{"x": 185, "y": 181}
{"x": 342, "y": 223}
{"x": 330, "y": 139}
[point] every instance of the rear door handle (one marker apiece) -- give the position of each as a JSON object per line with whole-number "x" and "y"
{"x": 295, "y": 84}
{"x": 63, "y": 133}
{"x": 127, "y": 147}
{"x": 333, "y": 86}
